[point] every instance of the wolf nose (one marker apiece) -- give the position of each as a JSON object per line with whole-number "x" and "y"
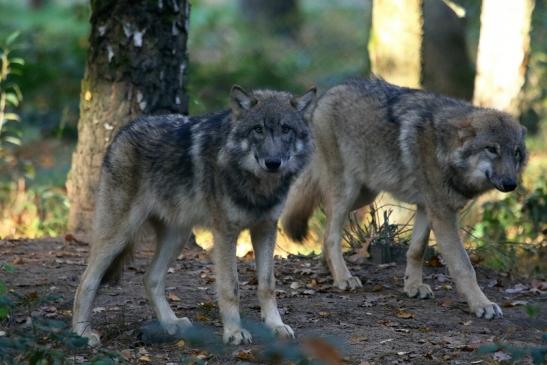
{"x": 509, "y": 185}
{"x": 272, "y": 164}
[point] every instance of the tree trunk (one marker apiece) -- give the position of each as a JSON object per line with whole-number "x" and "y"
{"x": 395, "y": 43}
{"x": 281, "y": 17}
{"x": 503, "y": 53}
{"x": 447, "y": 67}
{"x": 421, "y": 43}
{"x": 136, "y": 64}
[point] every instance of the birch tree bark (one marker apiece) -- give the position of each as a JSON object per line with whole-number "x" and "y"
{"x": 136, "y": 64}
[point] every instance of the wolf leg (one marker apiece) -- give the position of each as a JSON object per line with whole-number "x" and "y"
{"x": 170, "y": 243}
{"x": 339, "y": 205}
{"x": 224, "y": 257}
{"x": 445, "y": 227}
{"x": 101, "y": 257}
{"x": 414, "y": 286}
{"x": 263, "y": 237}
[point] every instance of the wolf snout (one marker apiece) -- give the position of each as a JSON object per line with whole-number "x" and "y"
{"x": 504, "y": 185}
{"x": 508, "y": 185}
{"x": 272, "y": 164}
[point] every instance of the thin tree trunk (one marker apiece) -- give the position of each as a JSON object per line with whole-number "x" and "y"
{"x": 503, "y": 53}
{"x": 446, "y": 65}
{"x": 395, "y": 43}
{"x": 136, "y": 65}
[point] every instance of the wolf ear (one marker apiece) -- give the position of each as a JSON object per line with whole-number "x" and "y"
{"x": 241, "y": 99}
{"x": 305, "y": 101}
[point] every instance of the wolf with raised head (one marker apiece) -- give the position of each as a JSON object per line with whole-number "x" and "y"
{"x": 227, "y": 172}
{"x": 429, "y": 150}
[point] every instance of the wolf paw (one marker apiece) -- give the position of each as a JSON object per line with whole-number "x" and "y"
{"x": 351, "y": 283}
{"x": 176, "y": 326}
{"x": 421, "y": 290}
{"x": 283, "y": 331}
{"x": 237, "y": 337}
{"x": 93, "y": 337}
{"x": 488, "y": 311}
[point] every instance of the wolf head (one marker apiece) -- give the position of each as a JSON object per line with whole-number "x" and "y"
{"x": 270, "y": 131}
{"x": 492, "y": 152}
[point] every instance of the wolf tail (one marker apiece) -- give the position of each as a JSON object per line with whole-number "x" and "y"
{"x": 303, "y": 198}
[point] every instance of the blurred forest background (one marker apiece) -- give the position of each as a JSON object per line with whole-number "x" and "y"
{"x": 317, "y": 42}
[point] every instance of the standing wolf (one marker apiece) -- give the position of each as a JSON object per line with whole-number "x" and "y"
{"x": 227, "y": 172}
{"x": 425, "y": 149}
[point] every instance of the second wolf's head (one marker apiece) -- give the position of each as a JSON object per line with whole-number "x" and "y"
{"x": 270, "y": 131}
{"x": 492, "y": 152}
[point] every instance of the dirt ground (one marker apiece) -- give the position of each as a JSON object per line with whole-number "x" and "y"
{"x": 377, "y": 324}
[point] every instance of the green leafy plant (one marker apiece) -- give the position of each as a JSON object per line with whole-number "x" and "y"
{"x": 10, "y": 94}
{"x": 511, "y": 227}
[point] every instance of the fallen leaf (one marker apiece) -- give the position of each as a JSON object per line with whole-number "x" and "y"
{"x": 127, "y": 354}
{"x": 376, "y": 288}
{"x": 320, "y": 349}
{"x": 245, "y": 355}
{"x": 99, "y": 309}
{"x": 173, "y": 297}
{"x": 514, "y": 303}
{"x": 501, "y": 356}
{"x": 145, "y": 358}
{"x": 519, "y": 288}
{"x": 295, "y": 285}
{"x": 202, "y": 318}
{"x": 18, "y": 260}
{"x": 404, "y": 314}
{"x": 435, "y": 261}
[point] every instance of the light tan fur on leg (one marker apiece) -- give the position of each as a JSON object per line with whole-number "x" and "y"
{"x": 414, "y": 286}
{"x": 170, "y": 243}
{"x": 445, "y": 227}
{"x": 224, "y": 256}
{"x": 263, "y": 237}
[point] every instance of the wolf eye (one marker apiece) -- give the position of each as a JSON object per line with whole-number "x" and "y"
{"x": 258, "y": 129}
{"x": 285, "y": 129}
{"x": 492, "y": 149}
{"x": 518, "y": 155}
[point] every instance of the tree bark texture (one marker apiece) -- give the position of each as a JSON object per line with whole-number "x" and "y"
{"x": 446, "y": 65}
{"x": 136, "y": 64}
{"x": 395, "y": 43}
{"x": 421, "y": 43}
{"x": 502, "y": 57}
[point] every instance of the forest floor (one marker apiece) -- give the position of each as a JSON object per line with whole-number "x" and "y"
{"x": 377, "y": 324}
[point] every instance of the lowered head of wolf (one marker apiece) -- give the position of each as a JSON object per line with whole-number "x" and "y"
{"x": 270, "y": 134}
{"x": 491, "y": 152}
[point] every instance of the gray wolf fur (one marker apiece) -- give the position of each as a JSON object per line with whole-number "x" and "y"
{"x": 226, "y": 171}
{"x": 424, "y": 149}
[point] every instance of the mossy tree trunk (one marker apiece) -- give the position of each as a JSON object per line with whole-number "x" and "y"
{"x": 502, "y": 57}
{"x": 136, "y": 64}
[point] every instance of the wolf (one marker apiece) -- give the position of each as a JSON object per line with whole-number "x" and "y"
{"x": 425, "y": 149}
{"x": 225, "y": 171}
